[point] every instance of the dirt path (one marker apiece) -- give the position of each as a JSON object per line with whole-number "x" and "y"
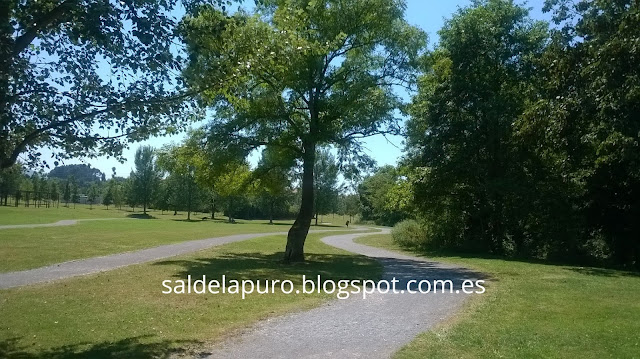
{"x": 64, "y": 222}
{"x": 104, "y": 263}
{"x": 374, "y": 327}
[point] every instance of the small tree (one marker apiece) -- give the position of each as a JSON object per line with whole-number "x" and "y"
{"x": 352, "y": 206}
{"x": 54, "y": 192}
{"x": 274, "y": 174}
{"x": 75, "y": 193}
{"x": 107, "y": 198}
{"x": 92, "y": 195}
{"x": 326, "y": 180}
{"x": 232, "y": 185}
{"x": 179, "y": 162}
{"x": 145, "y": 177}
{"x": 118, "y": 195}
{"x": 129, "y": 193}
{"x": 66, "y": 194}
{"x": 35, "y": 181}
{"x": 10, "y": 179}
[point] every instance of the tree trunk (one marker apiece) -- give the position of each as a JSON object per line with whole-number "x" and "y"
{"x": 189, "y": 200}
{"x": 213, "y": 208}
{"x": 294, "y": 251}
{"x": 271, "y": 213}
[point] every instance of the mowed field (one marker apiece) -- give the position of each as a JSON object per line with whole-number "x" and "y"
{"x": 533, "y": 310}
{"x": 123, "y": 313}
{"x": 39, "y": 215}
{"x": 35, "y": 247}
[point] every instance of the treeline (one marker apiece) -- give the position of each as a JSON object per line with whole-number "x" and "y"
{"x": 523, "y": 139}
{"x": 185, "y": 178}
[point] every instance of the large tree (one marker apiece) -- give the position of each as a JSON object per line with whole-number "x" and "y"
{"x": 179, "y": 162}
{"x": 300, "y": 75}
{"x": 81, "y": 77}
{"x": 585, "y": 122}
{"x": 470, "y": 185}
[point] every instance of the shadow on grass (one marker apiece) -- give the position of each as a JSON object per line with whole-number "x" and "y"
{"x": 126, "y": 348}
{"x": 207, "y": 219}
{"x": 260, "y": 266}
{"x": 279, "y": 224}
{"x": 603, "y": 272}
{"x": 330, "y": 226}
{"x": 140, "y": 216}
{"x": 193, "y": 220}
{"x": 595, "y": 269}
{"x": 312, "y": 225}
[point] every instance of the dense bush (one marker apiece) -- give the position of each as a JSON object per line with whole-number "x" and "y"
{"x": 409, "y": 233}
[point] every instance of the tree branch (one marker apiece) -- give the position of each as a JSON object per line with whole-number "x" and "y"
{"x": 31, "y": 33}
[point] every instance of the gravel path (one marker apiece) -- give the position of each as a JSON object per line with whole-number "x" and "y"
{"x": 374, "y": 327}
{"x": 100, "y": 264}
{"x": 65, "y": 222}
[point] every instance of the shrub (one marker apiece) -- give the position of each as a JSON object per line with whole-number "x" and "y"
{"x": 409, "y": 233}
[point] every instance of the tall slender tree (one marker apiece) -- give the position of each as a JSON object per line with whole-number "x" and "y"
{"x": 145, "y": 177}
{"x": 66, "y": 193}
{"x": 92, "y": 194}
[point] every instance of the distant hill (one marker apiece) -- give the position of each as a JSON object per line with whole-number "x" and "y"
{"x": 83, "y": 174}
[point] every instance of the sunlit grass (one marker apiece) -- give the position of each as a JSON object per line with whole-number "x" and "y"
{"x": 122, "y": 313}
{"x": 38, "y": 215}
{"x": 25, "y": 248}
{"x": 533, "y": 310}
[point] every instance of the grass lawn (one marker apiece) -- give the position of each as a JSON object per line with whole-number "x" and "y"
{"x": 535, "y": 310}
{"x": 26, "y": 248}
{"x": 35, "y": 215}
{"x": 122, "y": 313}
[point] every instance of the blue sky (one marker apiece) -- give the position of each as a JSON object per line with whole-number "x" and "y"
{"x": 426, "y": 14}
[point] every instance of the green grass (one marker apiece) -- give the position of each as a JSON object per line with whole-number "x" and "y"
{"x": 35, "y": 215}
{"x": 122, "y": 313}
{"x": 39, "y": 215}
{"x": 26, "y": 248}
{"x": 533, "y": 310}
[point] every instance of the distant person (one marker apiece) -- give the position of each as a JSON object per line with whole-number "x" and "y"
{"x": 347, "y": 223}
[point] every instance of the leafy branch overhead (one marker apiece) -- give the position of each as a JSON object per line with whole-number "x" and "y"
{"x": 83, "y": 77}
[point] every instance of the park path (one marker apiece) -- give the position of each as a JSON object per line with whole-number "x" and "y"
{"x": 375, "y": 327}
{"x": 105, "y": 263}
{"x": 64, "y": 222}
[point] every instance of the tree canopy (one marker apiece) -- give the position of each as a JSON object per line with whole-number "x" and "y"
{"x": 83, "y": 173}
{"x": 302, "y": 74}
{"x": 83, "y": 77}
{"x": 523, "y": 140}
